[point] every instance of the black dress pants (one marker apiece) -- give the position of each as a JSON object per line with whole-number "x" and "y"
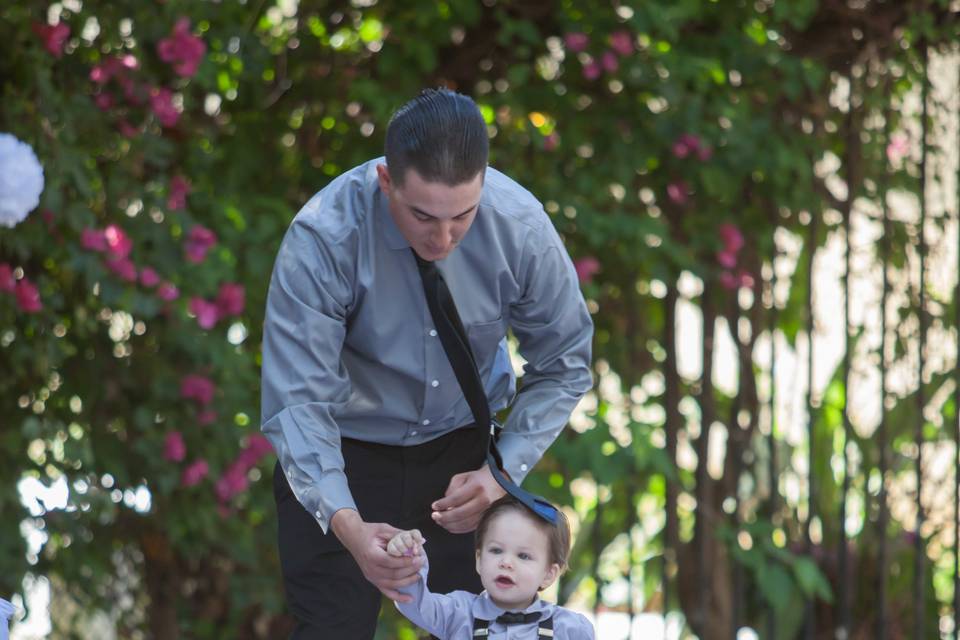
{"x": 326, "y": 592}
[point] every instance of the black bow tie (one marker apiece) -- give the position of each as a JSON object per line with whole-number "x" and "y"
{"x": 518, "y": 617}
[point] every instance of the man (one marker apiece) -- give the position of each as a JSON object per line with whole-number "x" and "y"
{"x": 359, "y": 398}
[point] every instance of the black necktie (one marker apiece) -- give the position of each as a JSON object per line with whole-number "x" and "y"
{"x": 518, "y": 617}
{"x": 443, "y": 310}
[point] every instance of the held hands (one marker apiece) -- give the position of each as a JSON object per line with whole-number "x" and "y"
{"x": 406, "y": 543}
{"x": 468, "y": 495}
{"x": 367, "y": 543}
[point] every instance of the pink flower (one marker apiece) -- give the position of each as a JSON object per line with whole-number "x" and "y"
{"x": 104, "y": 101}
{"x": 101, "y": 73}
{"x": 731, "y": 237}
{"x": 209, "y": 416}
{"x": 48, "y": 218}
{"x": 118, "y": 242}
{"x": 692, "y": 141}
{"x": 168, "y": 292}
{"x": 257, "y": 447}
{"x": 732, "y": 281}
{"x": 194, "y": 473}
{"x": 206, "y": 312}
{"x": 7, "y": 281}
{"x": 174, "y": 449}
{"x": 161, "y": 102}
{"x": 127, "y": 130}
{"x": 113, "y": 66}
{"x": 231, "y": 299}
{"x": 609, "y": 61}
{"x": 622, "y": 42}
{"x": 232, "y": 482}
{"x": 586, "y": 268}
{"x": 705, "y": 152}
{"x": 123, "y": 268}
{"x": 727, "y": 259}
{"x": 149, "y": 277}
{"x": 259, "y": 444}
{"x": 93, "y": 240}
{"x": 576, "y": 41}
{"x": 199, "y": 241}
{"x": 182, "y": 49}
{"x": 729, "y": 281}
{"x": 129, "y": 62}
{"x": 899, "y": 147}
{"x": 688, "y": 143}
{"x": 28, "y": 296}
{"x": 591, "y": 70}
{"x": 197, "y": 387}
{"x": 179, "y": 188}
{"x": 53, "y": 36}
{"x": 551, "y": 141}
{"x": 678, "y": 192}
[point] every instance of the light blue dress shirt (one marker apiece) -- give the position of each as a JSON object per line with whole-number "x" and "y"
{"x": 349, "y": 347}
{"x": 450, "y": 616}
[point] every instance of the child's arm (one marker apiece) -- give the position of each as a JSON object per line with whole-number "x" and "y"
{"x": 432, "y": 612}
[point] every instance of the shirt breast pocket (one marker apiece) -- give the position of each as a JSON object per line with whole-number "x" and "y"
{"x": 484, "y": 338}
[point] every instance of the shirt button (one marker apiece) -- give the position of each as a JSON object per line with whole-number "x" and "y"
{"x": 413, "y": 433}
{"x": 523, "y": 467}
{"x": 435, "y": 383}
{"x": 319, "y": 514}
{"x": 426, "y": 422}
{"x": 433, "y": 333}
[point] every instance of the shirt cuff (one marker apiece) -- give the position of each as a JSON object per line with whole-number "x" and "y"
{"x": 325, "y": 499}
{"x": 518, "y": 455}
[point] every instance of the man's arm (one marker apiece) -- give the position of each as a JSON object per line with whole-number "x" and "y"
{"x": 555, "y": 331}
{"x": 303, "y": 380}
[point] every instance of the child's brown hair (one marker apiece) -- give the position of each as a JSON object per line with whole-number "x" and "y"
{"x": 558, "y": 535}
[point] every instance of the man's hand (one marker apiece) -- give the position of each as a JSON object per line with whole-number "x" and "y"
{"x": 467, "y": 497}
{"x": 367, "y": 543}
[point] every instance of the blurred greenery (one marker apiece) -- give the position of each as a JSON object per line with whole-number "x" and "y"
{"x": 676, "y": 118}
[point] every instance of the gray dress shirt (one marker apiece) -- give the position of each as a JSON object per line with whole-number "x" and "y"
{"x": 450, "y": 616}
{"x": 349, "y": 347}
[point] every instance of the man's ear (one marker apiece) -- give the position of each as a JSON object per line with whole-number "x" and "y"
{"x": 552, "y": 573}
{"x": 383, "y": 177}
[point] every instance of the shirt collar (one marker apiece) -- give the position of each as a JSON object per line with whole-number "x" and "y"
{"x": 395, "y": 239}
{"x": 485, "y": 609}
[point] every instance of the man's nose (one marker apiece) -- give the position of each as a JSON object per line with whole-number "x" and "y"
{"x": 444, "y": 234}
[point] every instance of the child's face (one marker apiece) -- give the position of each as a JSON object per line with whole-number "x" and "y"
{"x": 514, "y": 561}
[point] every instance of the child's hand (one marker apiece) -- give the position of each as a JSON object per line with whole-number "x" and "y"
{"x": 406, "y": 543}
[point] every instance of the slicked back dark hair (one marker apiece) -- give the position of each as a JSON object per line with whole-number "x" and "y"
{"x": 440, "y": 134}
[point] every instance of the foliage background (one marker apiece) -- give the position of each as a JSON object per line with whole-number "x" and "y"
{"x": 671, "y": 141}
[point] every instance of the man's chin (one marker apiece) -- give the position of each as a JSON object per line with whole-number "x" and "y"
{"x": 432, "y": 256}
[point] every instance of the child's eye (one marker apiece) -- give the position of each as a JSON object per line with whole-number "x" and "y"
{"x": 494, "y": 549}
{"x": 525, "y": 556}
